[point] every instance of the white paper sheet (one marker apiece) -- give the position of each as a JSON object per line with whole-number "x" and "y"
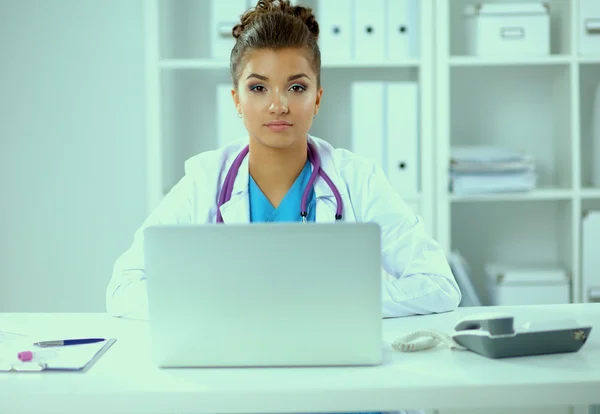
{"x": 71, "y": 357}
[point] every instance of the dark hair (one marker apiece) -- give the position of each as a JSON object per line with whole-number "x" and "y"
{"x": 275, "y": 25}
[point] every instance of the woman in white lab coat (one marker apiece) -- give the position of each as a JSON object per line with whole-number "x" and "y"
{"x": 281, "y": 173}
{"x": 275, "y": 70}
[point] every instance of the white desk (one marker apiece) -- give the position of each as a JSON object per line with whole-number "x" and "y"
{"x": 124, "y": 380}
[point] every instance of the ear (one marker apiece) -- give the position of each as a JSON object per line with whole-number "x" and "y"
{"x": 236, "y": 100}
{"x": 318, "y": 101}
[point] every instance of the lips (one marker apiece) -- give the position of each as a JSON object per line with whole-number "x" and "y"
{"x": 278, "y": 123}
{"x": 278, "y": 126}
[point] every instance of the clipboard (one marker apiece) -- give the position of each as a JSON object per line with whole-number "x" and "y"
{"x": 65, "y": 358}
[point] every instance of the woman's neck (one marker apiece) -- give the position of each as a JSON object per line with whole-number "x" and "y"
{"x": 276, "y": 169}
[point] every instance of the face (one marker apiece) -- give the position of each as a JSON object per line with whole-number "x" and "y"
{"x": 277, "y": 96}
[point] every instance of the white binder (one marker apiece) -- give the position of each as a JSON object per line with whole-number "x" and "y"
{"x": 367, "y": 120}
{"x": 596, "y": 139}
{"x": 402, "y": 137}
{"x": 369, "y": 30}
{"x": 590, "y": 266}
{"x": 229, "y": 126}
{"x": 224, "y": 15}
{"x": 402, "y": 30}
{"x": 335, "y": 31}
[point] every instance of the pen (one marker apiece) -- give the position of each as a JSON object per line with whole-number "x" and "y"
{"x": 65, "y": 342}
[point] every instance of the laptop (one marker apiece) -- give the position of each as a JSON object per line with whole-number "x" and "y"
{"x": 264, "y": 294}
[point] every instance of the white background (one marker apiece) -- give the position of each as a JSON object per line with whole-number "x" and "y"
{"x": 72, "y": 149}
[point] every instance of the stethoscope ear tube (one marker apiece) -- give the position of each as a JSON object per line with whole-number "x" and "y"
{"x": 227, "y": 188}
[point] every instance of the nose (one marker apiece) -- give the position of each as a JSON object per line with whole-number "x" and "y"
{"x": 279, "y": 104}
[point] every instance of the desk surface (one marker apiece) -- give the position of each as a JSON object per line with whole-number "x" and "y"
{"x": 125, "y": 380}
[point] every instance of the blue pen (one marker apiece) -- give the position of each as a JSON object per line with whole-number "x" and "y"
{"x": 65, "y": 342}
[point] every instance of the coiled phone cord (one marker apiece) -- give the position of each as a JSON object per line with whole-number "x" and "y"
{"x": 432, "y": 339}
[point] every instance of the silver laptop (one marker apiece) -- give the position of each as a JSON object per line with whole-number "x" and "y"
{"x": 265, "y": 294}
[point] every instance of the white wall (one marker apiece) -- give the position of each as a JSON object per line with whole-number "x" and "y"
{"x": 72, "y": 150}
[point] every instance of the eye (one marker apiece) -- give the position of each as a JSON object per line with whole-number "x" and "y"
{"x": 298, "y": 88}
{"x": 255, "y": 88}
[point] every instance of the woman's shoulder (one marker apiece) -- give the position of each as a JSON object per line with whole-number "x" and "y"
{"x": 211, "y": 162}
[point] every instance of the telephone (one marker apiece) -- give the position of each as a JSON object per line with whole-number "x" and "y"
{"x": 494, "y": 336}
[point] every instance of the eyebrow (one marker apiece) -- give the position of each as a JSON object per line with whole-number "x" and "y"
{"x": 299, "y": 75}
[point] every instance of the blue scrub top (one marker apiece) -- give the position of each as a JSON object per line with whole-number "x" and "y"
{"x": 261, "y": 209}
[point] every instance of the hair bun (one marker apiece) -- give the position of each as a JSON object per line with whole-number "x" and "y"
{"x": 273, "y": 6}
{"x": 305, "y": 14}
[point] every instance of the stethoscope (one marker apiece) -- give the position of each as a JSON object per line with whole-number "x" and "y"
{"x": 314, "y": 159}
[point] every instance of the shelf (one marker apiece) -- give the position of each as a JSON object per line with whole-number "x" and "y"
{"x": 550, "y": 194}
{"x": 594, "y": 59}
{"x": 470, "y": 61}
{"x": 590, "y": 193}
{"x": 224, "y": 64}
{"x": 194, "y": 64}
{"x": 409, "y": 63}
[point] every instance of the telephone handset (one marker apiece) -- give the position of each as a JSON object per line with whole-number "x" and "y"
{"x": 493, "y": 335}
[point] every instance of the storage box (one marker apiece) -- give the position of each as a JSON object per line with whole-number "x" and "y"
{"x": 527, "y": 285}
{"x": 508, "y": 29}
{"x": 589, "y": 27}
{"x": 590, "y": 259}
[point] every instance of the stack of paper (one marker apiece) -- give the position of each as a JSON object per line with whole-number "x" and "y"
{"x": 488, "y": 169}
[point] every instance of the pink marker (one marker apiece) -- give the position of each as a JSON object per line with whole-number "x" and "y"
{"x": 27, "y": 356}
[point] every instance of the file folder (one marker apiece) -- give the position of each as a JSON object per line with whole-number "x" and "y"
{"x": 335, "y": 31}
{"x": 402, "y": 137}
{"x": 369, "y": 30}
{"x": 596, "y": 139}
{"x": 230, "y": 127}
{"x": 402, "y": 30}
{"x": 590, "y": 266}
{"x": 367, "y": 120}
{"x": 224, "y": 15}
{"x": 464, "y": 278}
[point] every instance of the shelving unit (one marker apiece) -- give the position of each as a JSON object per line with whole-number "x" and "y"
{"x": 220, "y": 64}
{"x": 539, "y": 104}
{"x": 518, "y": 61}
{"x": 181, "y": 82}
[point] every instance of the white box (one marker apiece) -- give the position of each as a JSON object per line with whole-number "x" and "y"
{"x": 527, "y": 285}
{"x": 590, "y": 259}
{"x": 589, "y": 27}
{"x": 507, "y": 29}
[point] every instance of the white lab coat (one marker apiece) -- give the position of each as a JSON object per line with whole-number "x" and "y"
{"x": 420, "y": 280}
